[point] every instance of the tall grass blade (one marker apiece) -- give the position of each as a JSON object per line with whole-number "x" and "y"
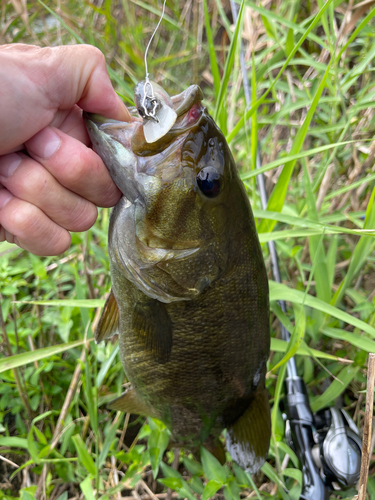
{"x": 297, "y": 336}
{"x": 362, "y": 250}
{"x": 220, "y": 110}
{"x": 276, "y": 200}
{"x": 242, "y": 120}
{"x": 211, "y": 50}
{"x": 336, "y": 388}
{"x": 37, "y": 355}
{"x": 278, "y": 291}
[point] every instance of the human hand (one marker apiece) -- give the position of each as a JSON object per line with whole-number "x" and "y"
{"x": 54, "y": 188}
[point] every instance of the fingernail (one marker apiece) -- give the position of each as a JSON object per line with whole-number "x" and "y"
{"x": 44, "y": 144}
{"x": 5, "y": 196}
{"x": 9, "y": 163}
{"x": 122, "y": 112}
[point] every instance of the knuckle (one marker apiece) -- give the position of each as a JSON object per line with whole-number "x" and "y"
{"x": 58, "y": 243}
{"x": 83, "y": 166}
{"x": 82, "y": 217}
{"x": 31, "y": 180}
{"x": 24, "y": 218}
{"x": 109, "y": 196}
{"x": 96, "y": 55}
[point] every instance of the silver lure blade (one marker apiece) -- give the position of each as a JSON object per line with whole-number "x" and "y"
{"x": 156, "y": 129}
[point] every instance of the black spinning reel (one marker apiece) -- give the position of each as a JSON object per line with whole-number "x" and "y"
{"x": 327, "y": 444}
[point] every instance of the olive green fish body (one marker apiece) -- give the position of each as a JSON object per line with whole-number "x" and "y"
{"x": 189, "y": 287}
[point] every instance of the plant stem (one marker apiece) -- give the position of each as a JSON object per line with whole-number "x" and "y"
{"x": 367, "y": 429}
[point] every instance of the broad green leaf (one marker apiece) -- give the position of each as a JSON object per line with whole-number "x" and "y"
{"x": 26, "y": 495}
{"x": 6, "y": 247}
{"x": 241, "y": 475}
{"x": 231, "y": 491}
{"x": 29, "y": 357}
{"x": 84, "y": 456}
{"x": 171, "y": 482}
{"x": 169, "y": 471}
{"x": 87, "y": 490}
{"x": 270, "y": 472}
{"x": 293, "y": 473}
{"x": 287, "y": 450}
{"x": 336, "y": 388}
{"x": 212, "y": 467}
{"x": 184, "y": 490}
{"x": 193, "y": 466}
{"x": 196, "y": 485}
{"x": 211, "y": 488}
{"x": 13, "y": 442}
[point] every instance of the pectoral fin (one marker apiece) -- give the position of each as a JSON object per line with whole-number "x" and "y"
{"x": 153, "y": 328}
{"x": 248, "y": 438}
{"x": 129, "y": 402}
{"x": 108, "y": 323}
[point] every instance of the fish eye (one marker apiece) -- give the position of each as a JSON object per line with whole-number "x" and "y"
{"x": 141, "y": 113}
{"x": 209, "y": 181}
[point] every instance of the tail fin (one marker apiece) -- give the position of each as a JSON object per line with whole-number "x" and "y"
{"x": 248, "y": 438}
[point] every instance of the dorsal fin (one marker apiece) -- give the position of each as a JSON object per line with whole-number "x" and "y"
{"x": 108, "y": 323}
{"x": 153, "y": 327}
{"x": 248, "y": 438}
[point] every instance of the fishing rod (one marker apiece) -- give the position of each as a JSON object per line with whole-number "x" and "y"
{"x": 328, "y": 444}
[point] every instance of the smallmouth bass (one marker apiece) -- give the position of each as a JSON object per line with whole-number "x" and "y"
{"x": 189, "y": 292}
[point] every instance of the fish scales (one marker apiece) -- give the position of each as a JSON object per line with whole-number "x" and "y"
{"x": 189, "y": 288}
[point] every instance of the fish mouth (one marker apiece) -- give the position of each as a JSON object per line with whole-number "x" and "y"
{"x": 127, "y": 155}
{"x": 131, "y": 134}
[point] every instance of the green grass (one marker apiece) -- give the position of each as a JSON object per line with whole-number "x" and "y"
{"x": 312, "y": 115}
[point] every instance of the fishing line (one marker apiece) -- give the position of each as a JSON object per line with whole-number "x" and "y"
{"x": 148, "y": 85}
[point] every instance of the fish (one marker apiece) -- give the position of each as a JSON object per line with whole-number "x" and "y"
{"x": 189, "y": 296}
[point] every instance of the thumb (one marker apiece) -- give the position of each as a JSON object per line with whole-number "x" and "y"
{"x": 81, "y": 78}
